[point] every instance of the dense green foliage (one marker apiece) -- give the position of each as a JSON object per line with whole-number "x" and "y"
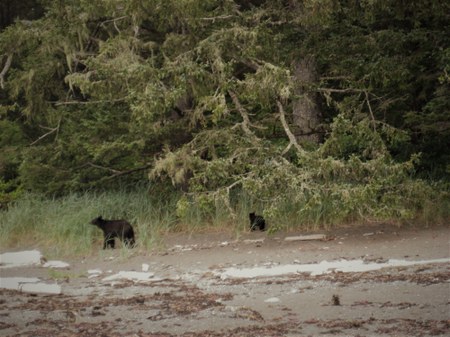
{"x": 200, "y": 94}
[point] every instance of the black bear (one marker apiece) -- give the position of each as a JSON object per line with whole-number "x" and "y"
{"x": 115, "y": 229}
{"x": 257, "y": 222}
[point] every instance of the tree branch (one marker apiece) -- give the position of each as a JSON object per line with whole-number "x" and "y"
{"x": 52, "y": 130}
{"x": 220, "y": 17}
{"x": 58, "y": 103}
{"x": 116, "y": 173}
{"x": 326, "y": 78}
{"x": 292, "y": 140}
{"x": 114, "y": 21}
{"x": 246, "y": 120}
{"x": 366, "y": 95}
{"x": 227, "y": 199}
{"x": 5, "y": 70}
{"x": 122, "y": 173}
{"x": 339, "y": 90}
{"x": 103, "y": 168}
{"x": 370, "y": 109}
{"x": 245, "y": 124}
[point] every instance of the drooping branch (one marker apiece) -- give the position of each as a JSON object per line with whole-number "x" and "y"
{"x": 123, "y": 173}
{"x": 5, "y": 70}
{"x": 370, "y": 109}
{"x": 246, "y": 120}
{"x": 220, "y": 17}
{"x": 116, "y": 173}
{"x": 329, "y": 90}
{"x": 224, "y": 193}
{"x": 334, "y": 78}
{"x": 352, "y": 90}
{"x": 292, "y": 140}
{"x": 58, "y": 103}
{"x": 52, "y": 130}
{"x": 245, "y": 124}
{"x": 113, "y": 171}
{"x": 227, "y": 198}
{"x": 114, "y": 21}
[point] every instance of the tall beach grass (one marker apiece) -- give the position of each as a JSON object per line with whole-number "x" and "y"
{"x": 61, "y": 226}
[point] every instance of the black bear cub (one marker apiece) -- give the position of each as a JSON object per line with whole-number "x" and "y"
{"x": 115, "y": 229}
{"x": 257, "y": 222}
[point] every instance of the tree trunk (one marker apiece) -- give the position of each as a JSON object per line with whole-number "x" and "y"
{"x": 305, "y": 110}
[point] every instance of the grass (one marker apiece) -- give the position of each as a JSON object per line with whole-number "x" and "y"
{"x": 61, "y": 226}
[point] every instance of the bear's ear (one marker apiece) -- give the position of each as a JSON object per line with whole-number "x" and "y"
{"x": 99, "y": 217}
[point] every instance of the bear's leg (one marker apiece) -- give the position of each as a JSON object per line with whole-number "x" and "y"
{"x": 109, "y": 242}
{"x": 128, "y": 240}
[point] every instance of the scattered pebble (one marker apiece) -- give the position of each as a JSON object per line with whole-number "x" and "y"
{"x": 130, "y": 275}
{"x": 248, "y": 241}
{"x": 56, "y": 264}
{"x": 272, "y": 300}
{"x": 305, "y": 237}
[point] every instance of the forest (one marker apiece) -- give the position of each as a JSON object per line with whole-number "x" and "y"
{"x": 312, "y": 113}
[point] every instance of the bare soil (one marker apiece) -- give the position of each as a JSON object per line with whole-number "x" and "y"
{"x": 188, "y": 297}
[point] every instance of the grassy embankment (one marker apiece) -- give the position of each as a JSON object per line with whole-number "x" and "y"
{"x": 60, "y": 226}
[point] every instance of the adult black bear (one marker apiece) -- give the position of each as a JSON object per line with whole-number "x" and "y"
{"x": 115, "y": 229}
{"x": 257, "y": 222}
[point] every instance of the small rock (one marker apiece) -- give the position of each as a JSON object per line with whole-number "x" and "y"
{"x": 94, "y": 273}
{"x": 248, "y": 241}
{"x": 272, "y": 300}
{"x": 306, "y": 237}
{"x": 56, "y": 264}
